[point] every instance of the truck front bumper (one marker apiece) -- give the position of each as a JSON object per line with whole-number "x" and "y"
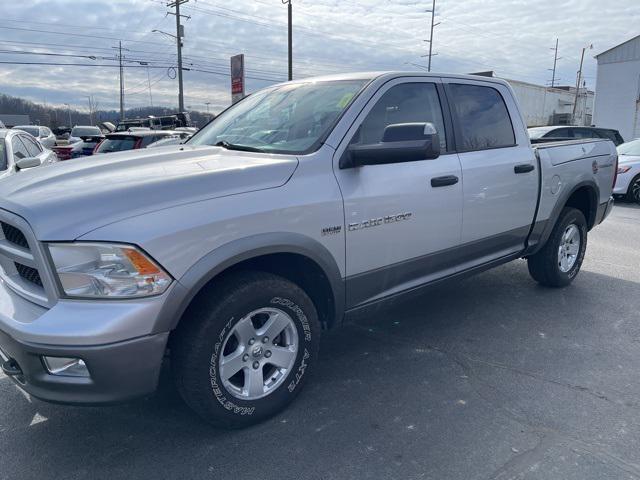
{"x": 116, "y": 372}
{"x": 115, "y": 340}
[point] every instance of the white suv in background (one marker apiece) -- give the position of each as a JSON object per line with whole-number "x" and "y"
{"x": 628, "y": 181}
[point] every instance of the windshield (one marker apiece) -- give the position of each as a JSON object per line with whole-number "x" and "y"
{"x": 538, "y": 132}
{"x": 31, "y": 130}
{"x": 117, "y": 144}
{"x": 287, "y": 119}
{"x": 85, "y": 131}
{"x": 630, "y": 148}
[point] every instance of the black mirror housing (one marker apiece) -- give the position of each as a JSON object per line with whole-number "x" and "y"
{"x": 402, "y": 142}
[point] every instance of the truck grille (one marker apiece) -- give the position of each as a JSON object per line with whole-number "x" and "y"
{"x": 14, "y": 235}
{"x": 22, "y": 265}
{"x": 29, "y": 274}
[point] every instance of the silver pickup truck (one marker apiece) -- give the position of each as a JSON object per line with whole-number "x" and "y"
{"x": 296, "y": 207}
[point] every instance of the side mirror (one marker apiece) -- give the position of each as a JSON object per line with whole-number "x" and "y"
{"x": 28, "y": 162}
{"x": 401, "y": 142}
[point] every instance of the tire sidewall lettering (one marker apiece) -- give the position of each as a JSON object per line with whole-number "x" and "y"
{"x": 217, "y": 389}
{"x": 306, "y": 328}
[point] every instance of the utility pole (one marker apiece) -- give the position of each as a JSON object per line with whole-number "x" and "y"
{"x": 149, "y": 83}
{"x": 579, "y": 80}
{"x": 290, "y": 36}
{"x": 555, "y": 61}
{"x": 121, "y": 81}
{"x": 69, "y": 112}
{"x": 179, "y": 35}
{"x": 430, "y": 41}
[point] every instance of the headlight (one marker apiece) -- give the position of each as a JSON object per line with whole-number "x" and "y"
{"x": 624, "y": 169}
{"x": 103, "y": 270}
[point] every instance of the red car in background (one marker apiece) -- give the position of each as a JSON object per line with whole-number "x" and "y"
{"x": 121, "y": 141}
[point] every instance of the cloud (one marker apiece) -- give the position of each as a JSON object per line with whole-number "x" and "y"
{"x": 512, "y": 37}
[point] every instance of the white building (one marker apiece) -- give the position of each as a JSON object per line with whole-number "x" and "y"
{"x": 543, "y": 106}
{"x": 618, "y": 89}
{"x": 553, "y": 106}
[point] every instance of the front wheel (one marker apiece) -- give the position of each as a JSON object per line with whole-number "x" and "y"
{"x": 559, "y": 261}
{"x": 245, "y": 348}
{"x": 633, "y": 194}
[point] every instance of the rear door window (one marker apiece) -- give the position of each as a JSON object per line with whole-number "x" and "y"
{"x": 32, "y": 146}
{"x": 482, "y": 117}
{"x": 19, "y": 149}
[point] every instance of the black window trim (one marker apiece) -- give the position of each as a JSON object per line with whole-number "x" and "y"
{"x": 456, "y": 125}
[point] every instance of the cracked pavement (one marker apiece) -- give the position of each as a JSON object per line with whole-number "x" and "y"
{"x": 493, "y": 377}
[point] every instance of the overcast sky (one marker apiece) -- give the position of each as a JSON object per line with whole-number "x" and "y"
{"x": 512, "y": 37}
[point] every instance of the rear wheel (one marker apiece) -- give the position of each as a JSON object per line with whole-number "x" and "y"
{"x": 245, "y": 348}
{"x": 559, "y": 261}
{"x": 633, "y": 193}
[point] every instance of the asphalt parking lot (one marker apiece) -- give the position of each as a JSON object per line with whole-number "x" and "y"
{"x": 491, "y": 378}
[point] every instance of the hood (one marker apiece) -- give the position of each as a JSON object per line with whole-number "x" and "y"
{"x": 68, "y": 199}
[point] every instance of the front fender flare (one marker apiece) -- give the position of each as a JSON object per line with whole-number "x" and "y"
{"x": 232, "y": 253}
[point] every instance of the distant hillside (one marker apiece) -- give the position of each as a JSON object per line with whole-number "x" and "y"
{"x": 55, "y": 117}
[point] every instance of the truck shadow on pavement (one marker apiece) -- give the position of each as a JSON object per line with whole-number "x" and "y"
{"x": 491, "y": 366}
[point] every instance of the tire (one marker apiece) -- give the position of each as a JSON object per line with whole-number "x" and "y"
{"x": 549, "y": 266}
{"x": 215, "y": 338}
{"x": 633, "y": 193}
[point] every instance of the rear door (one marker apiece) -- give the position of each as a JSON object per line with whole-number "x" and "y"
{"x": 399, "y": 227}
{"x": 499, "y": 170}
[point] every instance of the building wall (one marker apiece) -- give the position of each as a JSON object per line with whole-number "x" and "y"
{"x": 540, "y": 104}
{"x": 617, "y": 96}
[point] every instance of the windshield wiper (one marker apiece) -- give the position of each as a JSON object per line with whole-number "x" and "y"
{"x": 240, "y": 148}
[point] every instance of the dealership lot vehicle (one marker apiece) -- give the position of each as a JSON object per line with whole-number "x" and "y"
{"x": 567, "y": 132}
{"x": 274, "y": 221}
{"x": 20, "y": 151}
{"x": 82, "y": 142}
{"x": 628, "y": 179}
{"x": 133, "y": 140}
{"x": 178, "y": 138}
{"x": 44, "y": 134}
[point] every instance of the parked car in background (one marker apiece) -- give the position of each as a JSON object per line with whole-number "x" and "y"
{"x": 563, "y": 132}
{"x": 628, "y": 181}
{"x": 44, "y": 134}
{"x": 82, "y": 142}
{"x": 163, "y": 122}
{"x": 178, "y": 138}
{"x": 121, "y": 141}
{"x": 21, "y": 151}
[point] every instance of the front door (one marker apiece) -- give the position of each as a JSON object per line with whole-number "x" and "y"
{"x": 398, "y": 225}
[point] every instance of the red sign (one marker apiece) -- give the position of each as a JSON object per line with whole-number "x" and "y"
{"x": 237, "y": 78}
